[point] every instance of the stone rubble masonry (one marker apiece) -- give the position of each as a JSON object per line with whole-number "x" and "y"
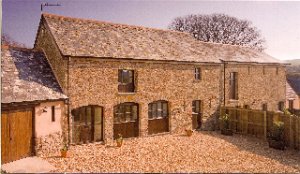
{"x": 256, "y": 87}
{"x": 95, "y": 82}
{"x": 49, "y": 145}
{"x": 46, "y": 43}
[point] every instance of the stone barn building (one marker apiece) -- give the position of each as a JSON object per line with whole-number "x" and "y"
{"x": 141, "y": 81}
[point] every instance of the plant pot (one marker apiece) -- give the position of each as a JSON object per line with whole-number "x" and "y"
{"x": 227, "y": 132}
{"x": 63, "y": 153}
{"x": 280, "y": 145}
{"x": 119, "y": 143}
{"x": 189, "y": 132}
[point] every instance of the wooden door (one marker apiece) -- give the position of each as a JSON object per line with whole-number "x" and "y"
{"x": 158, "y": 125}
{"x": 16, "y": 135}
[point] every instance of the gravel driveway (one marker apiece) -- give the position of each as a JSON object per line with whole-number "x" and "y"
{"x": 203, "y": 152}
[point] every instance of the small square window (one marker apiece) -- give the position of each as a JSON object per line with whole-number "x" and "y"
{"x": 197, "y": 73}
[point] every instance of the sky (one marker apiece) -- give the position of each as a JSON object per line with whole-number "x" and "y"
{"x": 278, "y": 21}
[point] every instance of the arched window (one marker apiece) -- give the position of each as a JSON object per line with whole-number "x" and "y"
{"x": 87, "y": 124}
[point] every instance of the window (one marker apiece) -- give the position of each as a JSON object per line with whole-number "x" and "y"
{"x": 265, "y": 107}
{"x": 197, "y": 73}
{"x": 281, "y": 106}
{"x": 196, "y": 106}
{"x": 291, "y": 104}
{"x": 233, "y": 86}
{"x": 196, "y": 114}
{"x": 126, "y": 80}
{"x": 53, "y": 113}
{"x": 158, "y": 109}
{"x": 87, "y": 125}
{"x": 125, "y": 112}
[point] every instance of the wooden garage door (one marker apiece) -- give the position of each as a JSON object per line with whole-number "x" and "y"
{"x": 16, "y": 135}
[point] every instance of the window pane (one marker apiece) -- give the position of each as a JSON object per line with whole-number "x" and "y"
{"x": 98, "y": 124}
{"x": 154, "y": 110}
{"x": 197, "y": 106}
{"x": 159, "y": 109}
{"x": 165, "y": 109}
{"x": 194, "y": 106}
{"x": 82, "y": 115}
{"x": 150, "y": 111}
{"x": 89, "y": 115}
{"x": 120, "y": 76}
{"x": 134, "y": 112}
{"x": 98, "y": 115}
{"x": 130, "y": 76}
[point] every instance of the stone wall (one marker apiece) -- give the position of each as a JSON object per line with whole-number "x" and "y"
{"x": 95, "y": 82}
{"x": 46, "y": 43}
{"x": 257, "y": 84}
{"x": 49, "y": 145}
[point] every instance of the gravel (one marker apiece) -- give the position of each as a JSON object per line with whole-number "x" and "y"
{"x": 202, "y": 152}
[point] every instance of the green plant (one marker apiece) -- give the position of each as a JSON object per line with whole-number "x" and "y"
{"x": 119, "y": 140}
{"x": 65, "y": 147}
{"x": 286, "y": 112}
{"x": 277, "y": 131}
{"x": 225, "y": 119}
{"x": 120, "y": 137}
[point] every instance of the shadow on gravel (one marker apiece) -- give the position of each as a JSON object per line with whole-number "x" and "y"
{"x": 260, "y": 147}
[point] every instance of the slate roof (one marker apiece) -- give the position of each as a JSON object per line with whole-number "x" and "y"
{"x": 27, "y": 76}
{"x": 294, "y": 81}
{"x": 91, "y": 38}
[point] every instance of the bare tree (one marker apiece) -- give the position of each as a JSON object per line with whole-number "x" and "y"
{"x": 220, "y": 28}
{"x": 7, "y": 40}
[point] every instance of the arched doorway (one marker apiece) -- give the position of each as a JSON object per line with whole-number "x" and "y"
{"x": 126, "y": 118}
{"x": 87, "y": 124}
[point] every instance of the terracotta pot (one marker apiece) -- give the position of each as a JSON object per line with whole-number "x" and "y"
{"x": 227, "y": 132}
{"x": 189, "y": 132}
{"x": 119, "y": 143}
{"x": 63, "y": 153}
{"x": 275, "y": 144}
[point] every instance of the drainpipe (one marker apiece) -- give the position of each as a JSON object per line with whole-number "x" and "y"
{"x": 68, "y": 83}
